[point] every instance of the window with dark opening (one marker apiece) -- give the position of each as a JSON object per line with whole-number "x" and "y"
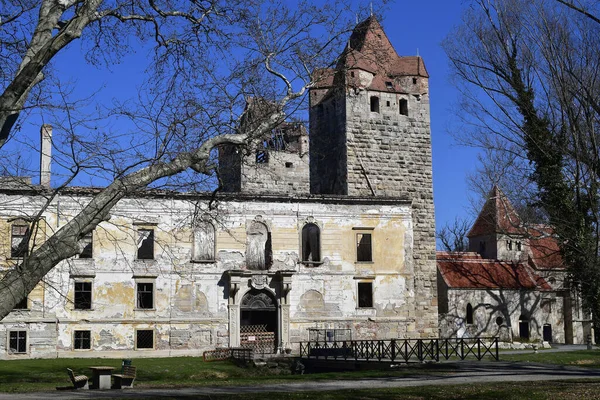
{"x": 387, "y": 103}
{"x": 374, "y": 104}
{"x": 18, "y": 342}
{"x": 523, "y": 327}
{"x": 262, "y": 157}
{"x": 289, "y": 165}
{"x": 86, "y": 246}
{"x": 469, "y": 314}
{"x": 144, "y": 339}
{"x": 311, "y": 243}
{"x": 519, "y": 246}
{"x": 21, "y": 305}
{"x": 365, "y": 294}
{"x": 509, "y": 244}
{"x": 499, "y": 321}
{"x": 145, "y": 244}
{"x": 414, "y": 81}
{"x": 352, "y": 74}
{"x": 83, "y": 295}
{"x": 145, "y": 295}
{"x": 389, "y": 85}
{"x": 403, "y": 107}
{"x": 19, "y": 240}
{"x": 82, "y": 340}
{"x": 363, "y": 247}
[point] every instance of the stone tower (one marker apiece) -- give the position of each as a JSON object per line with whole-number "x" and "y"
{"x": 274, "y": 164}
{"x": 370, "y": 136}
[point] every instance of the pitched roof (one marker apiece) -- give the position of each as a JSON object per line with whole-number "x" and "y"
{"x": 464, "y": 271}
{"x": 545, "y": 251}
{"x": 370, "y": 49}
{"x": 497, "y": 216}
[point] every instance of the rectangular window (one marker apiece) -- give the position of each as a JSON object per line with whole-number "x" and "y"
{"x": 83, "y": 296}
{"x": 144, "y": 339}
{"x": 145, "y": 295}
{"x": 22, "y": 305}
{"x": 82, "y": 340}
{"x": 509, "y": 244}
{"x": 86, "y": 246}
{"x": 18, "y": 342}
{"x": 364, "y": 250}
{"x": 18, "y": 240}
{"x": 145, "y": 244}
{"x": 365, "y": 294}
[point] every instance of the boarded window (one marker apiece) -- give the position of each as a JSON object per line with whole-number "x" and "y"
{"x": 145, "y": 243}
{"x": 469, "y": 314}
{"x": 374, "y": 104}
{"x": 363, "y": 247}
{"x": 365, "y": 294}
{"x": 82, "y": 340}
{"x": 403, "y": 106}
{"x": 204, "y": 241}
{"x": 144, "y": 339}
{"x": 311, "y": 243}
{"x": 258, "y": 251}
{"x": 83, "y": 295}
{"x": 18, "y": 342}
{"x": 86, "y": 246}
{"x": 145, "y": 295}
{"x": 18, "y": 240}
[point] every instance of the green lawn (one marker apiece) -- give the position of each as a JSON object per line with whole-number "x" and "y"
{"x": 583, "y": 358}
{"x": 41, "y": 375}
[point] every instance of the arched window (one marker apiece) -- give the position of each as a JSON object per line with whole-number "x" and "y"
{"x": 204, "y": 241}
{"x": 523, "y": 327}
{"x": 311, "y": 243}
{"x": 258, "y": 250}
{"x": 374, "y": 104}
{"x": 469, "y": 314}
{"x": 403, "y": 106}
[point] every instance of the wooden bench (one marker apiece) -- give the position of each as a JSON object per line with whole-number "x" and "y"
{"x": 79, "y": 381}
{"x": 125, "y": 380}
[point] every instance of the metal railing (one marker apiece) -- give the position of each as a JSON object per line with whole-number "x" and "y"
{"x": 401, "y": 350}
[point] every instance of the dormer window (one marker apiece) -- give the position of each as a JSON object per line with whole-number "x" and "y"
{"x": 389, "y": 85}
{"x": 374, "y": 104}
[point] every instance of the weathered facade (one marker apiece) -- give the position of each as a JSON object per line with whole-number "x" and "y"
{"x": 344, "y": 242}
{"x": 511, "y": 284}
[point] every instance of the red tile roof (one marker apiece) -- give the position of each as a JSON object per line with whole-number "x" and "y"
{"x": 370, "y": 49}
{"x": 545, "y": 251}
{"x": 471, "y": 273}
{"x": 497, "y": 216}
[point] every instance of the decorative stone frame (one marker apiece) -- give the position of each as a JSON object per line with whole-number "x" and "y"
{"x": 241, "y": 282}
{"x": 91, "y": 340}
{"x": 135, "y": 339}
{"x": 83, "y": 278}
{"x": 301, "y": 224}
{"x": 204, "y": 219}
{"x": 267, "y": 223}
{"x": 27, "y": 341}
{"x": 144, "y": 279}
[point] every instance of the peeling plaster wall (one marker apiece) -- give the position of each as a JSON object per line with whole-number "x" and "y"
{"x": 488, "y": 305}
{"x": 191, "y": 310}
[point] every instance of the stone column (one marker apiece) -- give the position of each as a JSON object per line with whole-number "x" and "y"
{"x": 235, "y": 280}
{"x": 284, "y": 305}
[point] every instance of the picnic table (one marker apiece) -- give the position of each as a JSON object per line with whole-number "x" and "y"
{"x": 101, "y": 376}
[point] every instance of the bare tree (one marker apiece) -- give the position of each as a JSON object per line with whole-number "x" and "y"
{"x": 529, "y": 74}
{"x": 209, "y": 57}
{"x": 453, "y": 236}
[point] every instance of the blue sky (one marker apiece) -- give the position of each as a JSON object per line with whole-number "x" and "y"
{"x": 411, "y": 26}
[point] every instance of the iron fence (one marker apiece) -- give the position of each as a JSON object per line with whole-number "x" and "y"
{"x": 401, "y": 350}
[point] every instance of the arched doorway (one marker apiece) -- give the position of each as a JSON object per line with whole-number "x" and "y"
{"x": 259, "y": 322}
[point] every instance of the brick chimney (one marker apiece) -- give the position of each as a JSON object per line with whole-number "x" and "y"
{"x": 45, "y": 154}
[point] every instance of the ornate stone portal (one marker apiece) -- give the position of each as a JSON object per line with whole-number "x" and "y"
{"x": 266, "y": 290}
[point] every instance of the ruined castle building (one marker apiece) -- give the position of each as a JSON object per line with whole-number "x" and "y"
{"x": 322, "y": 234}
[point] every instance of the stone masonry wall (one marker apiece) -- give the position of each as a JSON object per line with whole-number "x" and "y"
{"x": 389, "y": 155}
